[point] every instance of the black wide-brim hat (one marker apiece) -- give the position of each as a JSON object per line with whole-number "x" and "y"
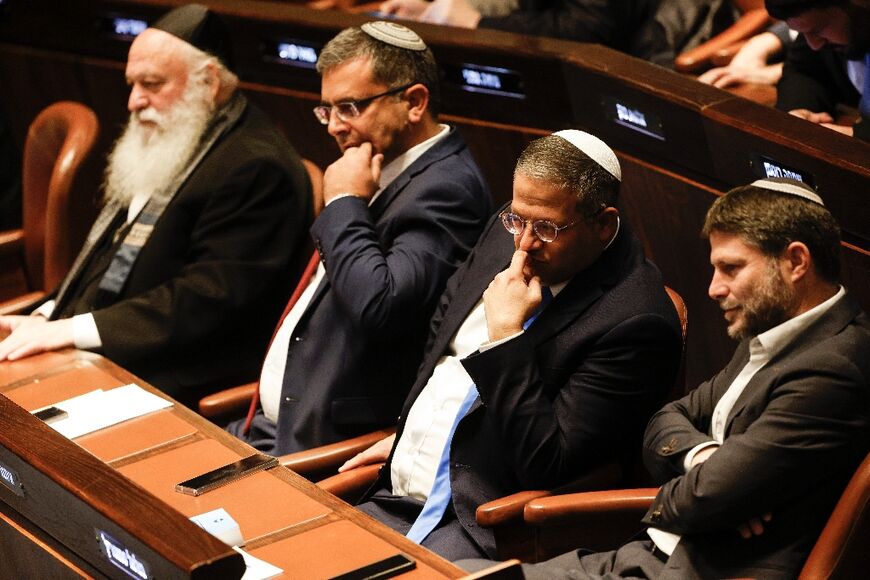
{"x": 195, "y": 24}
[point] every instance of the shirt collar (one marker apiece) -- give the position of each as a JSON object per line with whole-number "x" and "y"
{"x": 395, "y": 167}
{"x": 777, "y": 338}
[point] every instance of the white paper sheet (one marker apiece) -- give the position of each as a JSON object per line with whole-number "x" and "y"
{"x": 257, "y": 569}
{"x": 100, "y": 409}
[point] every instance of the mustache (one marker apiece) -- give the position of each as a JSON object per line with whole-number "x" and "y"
{"x": 148, "y": 115}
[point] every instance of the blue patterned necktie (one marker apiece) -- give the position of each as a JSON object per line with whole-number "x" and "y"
{"x": 436, "y": 504}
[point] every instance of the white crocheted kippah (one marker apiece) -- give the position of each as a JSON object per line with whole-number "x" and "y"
{"x": 595, "y": 148}
{"x": 790, "y": 186}
{"x": 394, "y": 34}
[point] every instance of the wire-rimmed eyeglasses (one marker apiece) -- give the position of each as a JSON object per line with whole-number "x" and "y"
{"x": 544, "y": 230}
{"x": 347, "y": 110}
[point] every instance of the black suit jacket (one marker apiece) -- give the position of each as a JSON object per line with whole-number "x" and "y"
{"x": 354, "y": 352}
{"x": 573, "y": 391}
{"x": 200, "y": 303}
{"x": 793, "y": 439}
{"x": 817, "y": 80}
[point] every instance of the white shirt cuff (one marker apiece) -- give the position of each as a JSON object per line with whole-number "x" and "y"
{"x": 85, "y": 333}
{"x": 488, "y": 345}
{"x": 690, "y": 456}
{"x": 339, "y": 196}
{"x": 45, "y": 310}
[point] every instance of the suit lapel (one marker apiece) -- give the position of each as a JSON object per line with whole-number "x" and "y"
{"x": 830, "y": 324}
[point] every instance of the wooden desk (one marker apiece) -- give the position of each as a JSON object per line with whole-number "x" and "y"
{"x": 49, "y": 532}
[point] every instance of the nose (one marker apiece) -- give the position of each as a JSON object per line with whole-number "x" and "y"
{"x": 335, "y": 126}
{"x": 138, "y": 99}
{"x": 718, "y": 289}
{"x": 527, "y": 240}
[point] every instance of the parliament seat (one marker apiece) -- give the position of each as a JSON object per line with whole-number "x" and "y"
{"x": 604, "y": 520}
{"x": 228, "y": 404}
{"x": 58, "y": 144}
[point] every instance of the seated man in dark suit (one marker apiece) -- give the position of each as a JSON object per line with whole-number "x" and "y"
{"x": 828, "y": 64}
{"x": 754, "y": 459}
{"x": 206, "y": 205}
{"x": 538, "y": 407}
{"x": 404, "y": 205}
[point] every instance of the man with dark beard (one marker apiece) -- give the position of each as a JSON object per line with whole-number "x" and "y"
{"x": 754, "y": 460}
{"x": 206, "y": 207}
{"x": 827, "y": 65}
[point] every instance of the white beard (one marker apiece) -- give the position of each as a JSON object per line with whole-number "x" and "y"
{"x": 146, "y": 159}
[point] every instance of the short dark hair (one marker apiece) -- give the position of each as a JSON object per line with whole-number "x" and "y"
{"x": 391, "y": 65}
{"x": 555, "y": 160}
{"x": 771, "y": 220}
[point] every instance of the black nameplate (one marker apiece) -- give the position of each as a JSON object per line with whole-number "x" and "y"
{"x": 10, "y": 479}
{"x": 121, "y": 27}
{"x": 121, "y": 557}
{"x": 634, "y": 118}
{"x": 485, "y": 79}
{"x": 766, "y": 167}
{"x": 298, "y": 53}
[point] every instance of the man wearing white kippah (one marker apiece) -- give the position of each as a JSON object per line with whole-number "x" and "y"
{"x": 552, "y": 346}
{"x": 753, "y": 460}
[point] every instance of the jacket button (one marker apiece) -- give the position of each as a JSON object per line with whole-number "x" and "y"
{"x": 669, "y": 447}
{"x": 656, "y": 516}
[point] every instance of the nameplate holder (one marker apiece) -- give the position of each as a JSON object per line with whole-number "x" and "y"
{"x": 490, "y": 80}
{"x": 121, "y": 27}
{"x": 293, "y": 52}
{"x": 763, "y": 167}
{"x": 631, "y": 116}
{"x": 122, "y": 557}
{"x": 9, "y": 477}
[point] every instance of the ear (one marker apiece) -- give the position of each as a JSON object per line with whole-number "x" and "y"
{"x": 418, "y": 102}
{"x": 607, "y": 222}
{"x": 796, "y": 261}
{"x": 212, "y": 80}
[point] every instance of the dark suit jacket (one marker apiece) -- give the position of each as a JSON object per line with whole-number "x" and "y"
{"x": 200, "y": 303}
{"x": 573, "y": 391}
{"x": 354, "y": 352}
{"x": 817, "y": 80}
{"x": 793, "y": 439}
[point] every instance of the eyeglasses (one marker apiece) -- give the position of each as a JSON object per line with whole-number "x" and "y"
{"x": 348, "y": 110}
{"x": 545, "y": 230}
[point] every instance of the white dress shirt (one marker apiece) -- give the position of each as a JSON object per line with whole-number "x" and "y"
{"x": 272, "y": 375}
{"x": 762, "y": 349}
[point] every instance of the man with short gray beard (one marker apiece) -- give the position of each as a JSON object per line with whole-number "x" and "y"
{"x": 203, "y": 230}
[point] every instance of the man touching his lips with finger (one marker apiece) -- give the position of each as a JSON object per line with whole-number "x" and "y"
{"x": 403, "y": 206}
{"x": 551, "y": 347}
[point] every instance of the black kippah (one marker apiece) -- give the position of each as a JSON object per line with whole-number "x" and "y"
{"x": 195, "y": 24}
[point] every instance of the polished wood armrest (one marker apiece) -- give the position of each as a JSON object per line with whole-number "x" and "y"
{"x": 698, "y": 58}
{"x": 21, "y": 304}
{"x": 11, "y": 242}
{"x": 229, "y": 402}
{"x": 324, "y": 461}
{"x": 350, "y": 485}
{"x": 573, "y": 507}
{"x": 509, "y": 509}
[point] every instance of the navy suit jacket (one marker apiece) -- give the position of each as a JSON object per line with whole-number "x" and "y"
{"x": 354, "y": 353}
{"x": 573, "y": 391}
{"x": 792, "y": 441}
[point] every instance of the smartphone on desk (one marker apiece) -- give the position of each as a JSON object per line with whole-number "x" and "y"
{"x": 50, "y": 414}
{"x": 226, "y": 474}
{"x": 386, "y": 568}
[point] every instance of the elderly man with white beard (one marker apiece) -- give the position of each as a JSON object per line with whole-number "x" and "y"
{"x": 203, "y": 229}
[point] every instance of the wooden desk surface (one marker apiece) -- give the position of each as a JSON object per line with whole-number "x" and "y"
{"x": 285, "y": 519}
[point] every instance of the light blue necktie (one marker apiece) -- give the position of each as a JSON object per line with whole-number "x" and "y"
{"x": 864, "y": 105}
{"x": 436, "y": 504}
